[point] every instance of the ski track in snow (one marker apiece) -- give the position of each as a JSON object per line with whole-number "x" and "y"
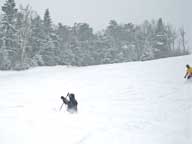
{"x": 137, "y": 103}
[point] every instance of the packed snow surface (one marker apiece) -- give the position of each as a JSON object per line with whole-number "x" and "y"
{"x": 128, "y": 103}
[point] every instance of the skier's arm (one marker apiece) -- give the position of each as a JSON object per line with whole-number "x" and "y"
{"x": 186, "y": 74}
{"x": 75, "y": 103}
{"x": 65, "y": 101}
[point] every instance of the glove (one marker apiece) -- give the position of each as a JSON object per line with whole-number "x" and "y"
{"x": 65, "y": 101}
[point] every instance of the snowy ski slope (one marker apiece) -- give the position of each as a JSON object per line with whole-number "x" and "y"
{"x": 128, "y": 103}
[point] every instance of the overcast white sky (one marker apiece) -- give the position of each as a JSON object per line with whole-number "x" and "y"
{"x": 97, "y": 13}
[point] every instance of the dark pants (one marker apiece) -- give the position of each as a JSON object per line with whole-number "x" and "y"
{"x": 189, "y": 76}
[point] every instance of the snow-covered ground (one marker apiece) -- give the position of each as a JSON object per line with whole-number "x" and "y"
{"x": 128, "y": 103}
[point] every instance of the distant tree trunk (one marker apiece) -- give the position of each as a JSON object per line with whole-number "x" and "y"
{"x": 182, "y": 34}
{"x": 24, "y": 33}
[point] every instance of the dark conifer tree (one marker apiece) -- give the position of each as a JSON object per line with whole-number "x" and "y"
{"x": 8, "y": 35}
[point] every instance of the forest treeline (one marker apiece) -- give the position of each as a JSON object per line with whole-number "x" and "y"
{"x": 27, "y": 40}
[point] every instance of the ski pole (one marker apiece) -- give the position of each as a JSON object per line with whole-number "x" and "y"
{"x": 63, "y": 103}
{"x": 61, "y": 107}
{"x": 67, "y": 95}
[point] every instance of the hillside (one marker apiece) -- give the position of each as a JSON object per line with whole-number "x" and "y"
{"x": 128, "y": 103}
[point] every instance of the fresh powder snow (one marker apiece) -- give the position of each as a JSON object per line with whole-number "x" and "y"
{"x": 128, "y": 103}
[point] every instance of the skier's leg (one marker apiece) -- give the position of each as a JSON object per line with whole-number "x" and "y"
{"x": 189, "y": 76}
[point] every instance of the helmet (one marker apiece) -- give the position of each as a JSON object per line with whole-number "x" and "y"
{"x": 71, "y": 96}
{"x": 188, "y": 66}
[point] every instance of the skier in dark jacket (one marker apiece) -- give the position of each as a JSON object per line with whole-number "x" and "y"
{"x": 71, "y": 103}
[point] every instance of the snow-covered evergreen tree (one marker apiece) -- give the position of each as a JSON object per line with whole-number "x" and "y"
{"x": 161, "y": 47}
{"x": 48, "y": 50}
{"x": 37, "y": 41}
{"x": 8, "y": 35}
{"x": 64, "y": 37}
{"x": 148, "y": 32}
